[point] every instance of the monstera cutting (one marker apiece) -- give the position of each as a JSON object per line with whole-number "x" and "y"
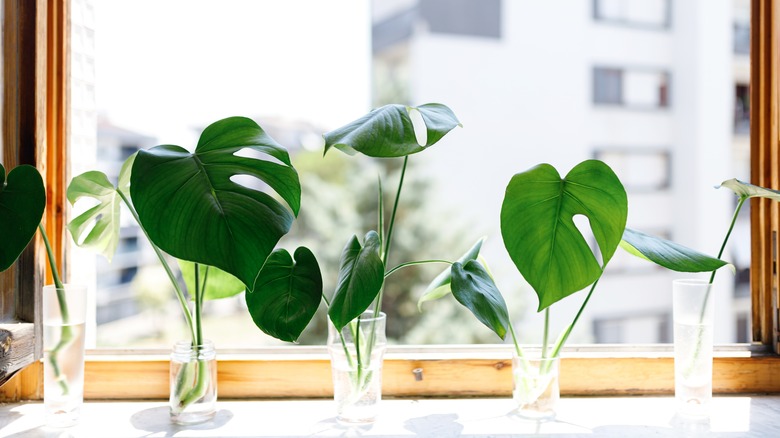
{"x": 222, "y": 207}
{"x": 355, "y": 308}
{"x": 22, "y": 204}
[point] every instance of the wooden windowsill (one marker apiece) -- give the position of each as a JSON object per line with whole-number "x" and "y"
{"x": 447, "y": 371}
{"x": 744, "y": 416}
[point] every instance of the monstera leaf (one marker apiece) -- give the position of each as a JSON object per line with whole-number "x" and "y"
{"x": 192, "y": 208}
{"x": 540, "y": 234}
{"x": 22, "y": 201}
{"x": 98, "y": 227}
{"x": 473, "y": 287}
{"x": 287, "y": 294}
{"x": 746, "y": 190}
{"x": 389, "y": 131}
{"x": 440, "y": 286}
{"x": 361, "y": 275}
{"x": 219, "y": 284}
{"x": 668, "y": 254}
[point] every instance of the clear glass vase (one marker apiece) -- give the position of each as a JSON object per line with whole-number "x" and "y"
{"x": 692, "y": 307}
{"x": 356, "y": 353}
{"x": 193, "y": 382}
{"x": 536, "y": 390}
{"x": 64, "y": 312}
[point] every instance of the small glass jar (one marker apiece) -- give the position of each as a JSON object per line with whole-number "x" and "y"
{"x": 536, "y": 389}
{"x": 193, "y": 382}
{"x": 356, "y": 354}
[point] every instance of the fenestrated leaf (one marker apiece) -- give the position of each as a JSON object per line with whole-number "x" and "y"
{"x": 389, "y": 132}
{"x": 361, "y": 274}
{"x": 747, "y": 190}
{"x": 219, "y": 284}
{"x": 473, "y": 287}
{"x": 540, "y": 234}
{"x": 668, "y": 254}
{"x": 98, "y": 227}
{"x": 287, "y": 294}
{"x": 193, "y": 210}
{"x": 440, "y": 286}
{"x": 22, "y": 201}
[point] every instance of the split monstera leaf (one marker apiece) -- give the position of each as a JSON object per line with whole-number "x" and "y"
{"x": 191, "y": 207}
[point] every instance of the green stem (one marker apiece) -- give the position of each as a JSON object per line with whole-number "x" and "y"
{"x": 546, "y": 332}
{"x": 66, "y": 332}
{"x": 418, "y": 262}
{"x": 700, "y": 331}
{"x": 388, "y": 240}
{"x": 179, "y": 293}
{"x": 565, "y": 337}
{"x": 514, "y": 341}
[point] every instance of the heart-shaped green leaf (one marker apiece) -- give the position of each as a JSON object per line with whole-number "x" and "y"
{"x": 473, "y": 287}
{"x": 747, "y": 190}
{"x": 540, "y": 234}
{"x": 287, "y": 294}
{"x": 668, "y": 254}
{"x": 22, "y": 201}
{"x": 98, "y": 227}
{"x": 192, "y": 208}
{"x": 361, "y": 275}
{"x": 219, "y": 284}
{"x": 440, "y": 286}
{"x": 389, "y": 131}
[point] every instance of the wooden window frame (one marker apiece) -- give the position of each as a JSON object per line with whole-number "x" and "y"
{"x": 305, "y": 371}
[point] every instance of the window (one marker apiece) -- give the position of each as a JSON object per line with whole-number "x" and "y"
{"x": 635, "y": 88}
{"x": 488, "y": 374}
{"x": 636, "y": 13}
{"x": 742, "y": 109}
{"x": 640, "y": 169}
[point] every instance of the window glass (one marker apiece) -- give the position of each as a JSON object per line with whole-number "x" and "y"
{"x": 531, "y": 93}
{"x": 634, "y": 12}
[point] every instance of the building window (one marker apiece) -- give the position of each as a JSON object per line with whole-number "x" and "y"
{"x": 635, "y": 13}
{"x": 480, "y": 18}
{"x": 742, "y": 38}
{"x": 640, "y": 170}
{"x": 635, "y": 329}
{"x": 742, "y": 109}
{"x": 636, "y": 88}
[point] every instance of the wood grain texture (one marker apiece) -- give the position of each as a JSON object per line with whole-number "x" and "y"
{"x": 16, "y": 348}
{"x": 765, "y": 170}
{"x": 310, "y": 377}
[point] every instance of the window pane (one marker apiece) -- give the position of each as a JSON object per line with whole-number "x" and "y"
{"x": 544, "y": 87}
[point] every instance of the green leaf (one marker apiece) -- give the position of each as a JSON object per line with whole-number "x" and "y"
{"x": 389, "y": 131}
{"x": 440, "y": 286}
{"x": 192, "y": 209}
{"x": 22, "y": 201}
{"x": 668, "y": 254}
{"x": 287, "y": 294}
{"x": 473, "y": 287}
{"x": 98, "y": 227}
{"x": 361, "y": 274}
{"x": 219, "y": 284}
{"x": 747, "y": 190}
{"x": 540, "y": 234}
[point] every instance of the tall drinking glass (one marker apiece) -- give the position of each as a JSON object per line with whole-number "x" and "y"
{"x": 64, "y": 317}
{"x": 692, "y": 304}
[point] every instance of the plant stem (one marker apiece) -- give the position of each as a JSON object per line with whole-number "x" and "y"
{"x": 388, "y": 240}
{"x": 546, "y": 332}
{"x": 179, "y": 293}
{"x": 565, "y": 337}
{"x": 66, "y": 332}
{"x": 703, "y": 313}
{"x": 418, "y": 262}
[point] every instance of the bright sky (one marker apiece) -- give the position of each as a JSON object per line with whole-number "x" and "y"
{"x": 163, "y": 67}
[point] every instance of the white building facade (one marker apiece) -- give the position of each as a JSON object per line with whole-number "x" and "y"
{"x": 649, "y": 86}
